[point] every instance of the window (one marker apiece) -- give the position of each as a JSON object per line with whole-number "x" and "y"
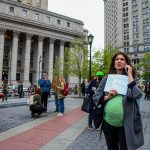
{"x": 20, "y": 51}
{"x": 68, "y": 24}
{"x": 147, "y": 48}
{"x": 48, "y": 19}
{"x": 126, "y": 50}
{"x": 18, "y": 63}
{"x": 36, "y": 16}
{"x": 6, "y": 54}
{"x": 18, "y": 76}
{"x": 11, "y": 9}
{"x": 136, "y": 49}
{"x": 31, "y": 64}
{"x": 58, "y": 22}
{"x": 5, "y": 62}
{"x": 24, "y": 13}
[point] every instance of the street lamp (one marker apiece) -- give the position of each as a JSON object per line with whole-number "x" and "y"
{"x": 40, "y": 61}
{"x": 90, "y": 41}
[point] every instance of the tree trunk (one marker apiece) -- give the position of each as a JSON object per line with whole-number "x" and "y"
{"x": 80, "y": 86}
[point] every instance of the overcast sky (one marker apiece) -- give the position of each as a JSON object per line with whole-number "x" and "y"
{"x": 88, "y": 11}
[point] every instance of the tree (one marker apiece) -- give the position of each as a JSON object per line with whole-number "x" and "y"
{"x": 109, "y": 52}
{"x": 144, "y": 65}
{"x": 102, "y": 59}
{"x": 57, "y": 65}
{"x": 78, "y": 61}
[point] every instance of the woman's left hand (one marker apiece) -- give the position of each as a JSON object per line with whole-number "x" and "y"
{"x": 128, "y": 69}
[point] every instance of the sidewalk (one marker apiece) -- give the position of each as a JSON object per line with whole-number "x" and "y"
{"x": 67, "y": 132}
{"x": 46, "y": 132}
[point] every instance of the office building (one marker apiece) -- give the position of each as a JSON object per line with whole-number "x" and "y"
{"x": 127, "y": 26}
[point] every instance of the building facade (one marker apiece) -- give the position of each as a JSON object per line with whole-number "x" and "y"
{"x": 31, "y": 37}
{"x": 127, "y": 26}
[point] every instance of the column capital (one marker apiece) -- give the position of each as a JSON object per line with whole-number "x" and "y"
{"x": 52, "y": 40}
{"x": 16, "y": 33}
{"x": 40, "y": 38}
{"x": 28, "y": 36}
{"x": 2, "y": 31}
{"x": 62, "y": 42}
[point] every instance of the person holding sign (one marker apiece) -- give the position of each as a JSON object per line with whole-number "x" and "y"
{"x": 122, "y": 125}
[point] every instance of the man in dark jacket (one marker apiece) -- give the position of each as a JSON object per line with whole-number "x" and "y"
{"x": 20, "y": 90}
{"x": 45, "y": 86}
{"x": 91, "y": 91}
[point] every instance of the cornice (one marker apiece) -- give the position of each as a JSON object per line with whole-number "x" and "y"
{"x": 27, "y": 22}
{"x": 42, "y": 11}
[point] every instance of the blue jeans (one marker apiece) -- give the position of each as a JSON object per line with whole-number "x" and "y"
{"x": 56, "y": 102}
{"x": 61, "y": 105}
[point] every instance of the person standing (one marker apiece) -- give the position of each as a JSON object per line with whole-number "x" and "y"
{"x": 45, "y": 86}
{"x": 146, "y": 91}
{"x": 5, "y": 90}
{"x": 122, "y": 125}
{"x": 91, "y": 91}
{"x": 20, "y": 89}
{"x": 54, "y": 86}
{"x": 60, "y": 87}
{"x": 83, "y": 88}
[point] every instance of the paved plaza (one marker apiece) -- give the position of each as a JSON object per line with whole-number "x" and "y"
{"x": 20, "y": 131}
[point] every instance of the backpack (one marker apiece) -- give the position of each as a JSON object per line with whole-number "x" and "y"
{"x": 65, "y": 92}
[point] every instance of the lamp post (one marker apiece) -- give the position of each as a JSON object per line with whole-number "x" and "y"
{"x": 40, "y": 61}
{"x": 90, "y": 41}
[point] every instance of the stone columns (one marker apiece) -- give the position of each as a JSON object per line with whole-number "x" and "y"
{"x": 14, "y": 57}
{"x": 61, "y": 55}
{"x": 39, "y": 57}
{"x": 27, "y": 60}
{"x": 51, "y": 58}
{"x": 2, "y": 33}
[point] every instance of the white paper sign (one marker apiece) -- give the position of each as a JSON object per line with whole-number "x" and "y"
{"x": 117, "y": 82}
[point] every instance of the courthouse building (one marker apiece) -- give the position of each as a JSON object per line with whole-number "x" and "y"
{"x": 127, "y": 26}
{"x": 31, "y": 37}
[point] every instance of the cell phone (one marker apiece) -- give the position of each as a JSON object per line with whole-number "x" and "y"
{"x": 126, "y": 69}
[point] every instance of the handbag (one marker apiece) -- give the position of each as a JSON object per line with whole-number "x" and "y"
{"x": 86, "y": 105}
{"x": 98, "y": 115}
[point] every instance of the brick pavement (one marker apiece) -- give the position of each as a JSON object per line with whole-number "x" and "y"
{"x": 89, "y": 140}
{"x": 72, "y": 135}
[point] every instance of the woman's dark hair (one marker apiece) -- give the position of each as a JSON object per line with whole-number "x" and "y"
{"x": 112, "y": 68}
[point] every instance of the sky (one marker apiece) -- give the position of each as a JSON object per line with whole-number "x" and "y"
{"x": 88, "y": 11}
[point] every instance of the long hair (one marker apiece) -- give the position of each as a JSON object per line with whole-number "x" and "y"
{"x": 62, "y": 80}
{"x": 112, "y": 69}
{"x": 55, "y": 81}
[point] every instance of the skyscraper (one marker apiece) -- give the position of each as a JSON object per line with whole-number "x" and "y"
{"x": 127, "y": 26}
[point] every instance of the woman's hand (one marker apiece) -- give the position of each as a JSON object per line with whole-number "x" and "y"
{"x": 128, "y": 69}
{"x": 111, "y": 94}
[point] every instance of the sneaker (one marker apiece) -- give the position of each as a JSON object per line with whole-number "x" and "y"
{"x": 59, "y": 114}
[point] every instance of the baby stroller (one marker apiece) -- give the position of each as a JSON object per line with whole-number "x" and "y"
{"x": 35, "y": 105}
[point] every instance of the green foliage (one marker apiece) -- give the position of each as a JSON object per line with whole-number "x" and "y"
{"x": 109, "y": 52}
{"x": 79, "y": 59}
{"x": 75, "y": 60}
{"x": 144, "y": 65}
{"x": 102, "y": 59}
{"x": 57, "y": 66}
